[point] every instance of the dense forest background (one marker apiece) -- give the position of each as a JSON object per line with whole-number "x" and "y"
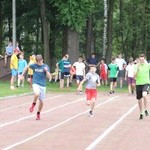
{"x": 77, "y": 27}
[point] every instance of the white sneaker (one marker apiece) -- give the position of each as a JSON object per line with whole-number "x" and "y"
{"x": 12, "y": 88}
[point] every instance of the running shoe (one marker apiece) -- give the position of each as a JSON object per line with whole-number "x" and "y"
{"x": 90, "y": 114}
{"x": 141, "y": 117}
{"x": 31, "y": 109}
{"x": 146, "y": 113}
{"x": 38, "y": 117}
{"x": 12, "y": 88}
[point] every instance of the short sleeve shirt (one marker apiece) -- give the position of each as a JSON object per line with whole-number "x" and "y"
{"x": 142, "y": 76}
{"x": 91, "y": 80}
{"x": 113, "y": 68}
{"x": 39, "y": 74}
{"x": 14, "y": 62}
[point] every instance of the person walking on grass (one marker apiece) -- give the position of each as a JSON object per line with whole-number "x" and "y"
{"x": 92, "y": 81}
{"x": 129, "y": 77}
{"x": 141, "y": 74}
{"x": 113, "y": 70}
{"x": 40, "y": 72}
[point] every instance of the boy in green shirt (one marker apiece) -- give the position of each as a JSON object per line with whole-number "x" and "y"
{"x": 141, "y": 74}
{"x": 113, "y": 70}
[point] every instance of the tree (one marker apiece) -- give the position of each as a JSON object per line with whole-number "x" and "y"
{"x": 109, "y": 30}
{"x": 105, "y": 29}
{"x": 45, "y": 32}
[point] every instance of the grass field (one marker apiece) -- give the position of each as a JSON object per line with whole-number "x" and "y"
{"x": 51, "y": 87}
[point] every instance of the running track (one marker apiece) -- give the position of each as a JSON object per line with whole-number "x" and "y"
{"x": 65, "y": 125}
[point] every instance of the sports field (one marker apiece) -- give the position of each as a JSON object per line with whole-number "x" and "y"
{"x": 65, "y": 124}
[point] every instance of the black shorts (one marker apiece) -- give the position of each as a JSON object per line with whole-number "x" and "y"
{"x": 121, "y": 74}
{"x": 65, "y": 75}
{"x": 113, "y": 79}
{"x": 140, "y": 89}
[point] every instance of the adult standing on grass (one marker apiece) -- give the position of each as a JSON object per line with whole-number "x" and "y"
{"x": 40, "y": 72}
{"x": 14, "y": 68}
{"x": 141, "y": 73}
{"x": 92, "y": 81}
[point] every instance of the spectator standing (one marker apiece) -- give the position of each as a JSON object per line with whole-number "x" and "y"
{"x": 8, "y": 52}
{"x": 80, "y": 71}
{"x": 113, "y": 70}
{"x": 32, "y": 60}
{"x": 129, "y": 76}
{"x": 92, "y": 60}
{"x": 103, "y": 72}
{"x": 121, "y": 63}
{"x": 60, "y": 67}
{"x": 22, "y": 63}
{"x": 14, "y": 68}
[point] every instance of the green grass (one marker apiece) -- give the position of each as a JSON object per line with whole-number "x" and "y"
{"x": 51, "y": 87}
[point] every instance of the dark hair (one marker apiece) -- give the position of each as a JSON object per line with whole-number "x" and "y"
{"x": 142, "y": 55}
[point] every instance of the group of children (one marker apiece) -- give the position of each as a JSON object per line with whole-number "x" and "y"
{"x": 38, "y": 71}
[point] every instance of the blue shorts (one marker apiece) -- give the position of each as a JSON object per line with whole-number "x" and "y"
{"x": 79, "y": 77}
{"x": 14, "y": 72}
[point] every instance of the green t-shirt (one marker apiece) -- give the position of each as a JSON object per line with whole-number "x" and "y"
{"x": 61, "y": 65}
{"x": 113, "y": 68}
{"x": 142, "y": 76}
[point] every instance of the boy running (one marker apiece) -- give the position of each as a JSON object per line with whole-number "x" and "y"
{"x": 40, "y": 72}
{"x": 141, "y": 73}
{"x": 92, "y": 81}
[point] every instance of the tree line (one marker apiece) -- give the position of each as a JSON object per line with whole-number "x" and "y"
{"x": 57, "y": 27}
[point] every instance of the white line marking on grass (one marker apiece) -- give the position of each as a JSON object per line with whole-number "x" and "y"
{"x": 55, "y": 126}
{"x": 26, "y": 103}
{"x": 30, "y": 116}
{"x": 108, "y": 130}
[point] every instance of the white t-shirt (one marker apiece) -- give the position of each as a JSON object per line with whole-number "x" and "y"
{"x": 130, "y": 69}
{"x": 120, "y": 62}
{"x": 80, "y": 67}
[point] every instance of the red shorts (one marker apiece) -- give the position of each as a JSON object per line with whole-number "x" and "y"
{"x": 91, "y": 93}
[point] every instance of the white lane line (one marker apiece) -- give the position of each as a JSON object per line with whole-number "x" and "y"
{"x": 30, "y": 116}
{"x": 108, "y": 130}
{"x": 55, "y": 126}
{"x": 27, "y": 103}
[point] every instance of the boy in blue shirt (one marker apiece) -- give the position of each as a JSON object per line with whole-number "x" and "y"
{"x": 40, "y": 72}
{"x": 22, "y": 63}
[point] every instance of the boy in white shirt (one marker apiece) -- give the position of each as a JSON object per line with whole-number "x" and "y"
{"x": 129, "y": 76}
{"x": 80, "y": 71}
